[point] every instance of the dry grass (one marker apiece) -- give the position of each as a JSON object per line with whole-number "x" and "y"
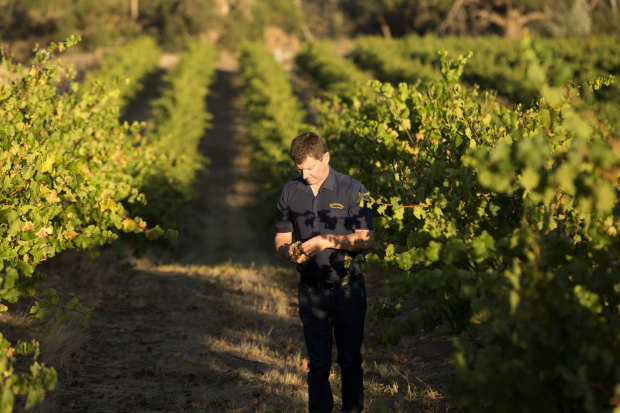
{"x": 224, "y": 338}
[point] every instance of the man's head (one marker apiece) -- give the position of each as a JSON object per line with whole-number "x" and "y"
{"x": 307, "y": 144}
{"x": 309, "y": 152}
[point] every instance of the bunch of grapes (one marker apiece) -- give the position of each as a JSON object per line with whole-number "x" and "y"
{"x": 297, "y": 251}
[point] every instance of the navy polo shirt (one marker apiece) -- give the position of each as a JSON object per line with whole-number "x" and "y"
{"x": 335, "y": 210}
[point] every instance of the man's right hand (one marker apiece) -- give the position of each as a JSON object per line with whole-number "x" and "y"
{"x": 289, "y": 250}
{"x": 296, "y": 254}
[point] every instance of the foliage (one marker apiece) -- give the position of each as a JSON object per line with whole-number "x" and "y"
{"x": 174, "y": 23}
{"x": 97, "y": 22}
{"x": 398, "y": 16}
{"x": 330, "y": 72}
{"x": 498, "y": 64}
{"x": 389, "y": 63}
{"x": 33, "y": 384}
{"x": 110, "y": 23}
{"x": 248, "y": 20}
{"x": 548, "y": 17}
{"x": 126, "y": 67}
{"x": 62, "y": 177}
{"x": 282, "y": 13}
{"x": 275, "y": 118}
{"x": 68, "y": 169}
{"x": 180, "y": 123}
{"x": 503, "y": 223}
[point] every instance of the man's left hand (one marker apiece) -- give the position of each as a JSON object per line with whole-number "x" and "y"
{"x": 314, "y": 245}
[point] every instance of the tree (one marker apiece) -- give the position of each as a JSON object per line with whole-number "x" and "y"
{"x": 395, "y": 17}
{"x": 509, "y": 18}
{"x": 512, "y": 19}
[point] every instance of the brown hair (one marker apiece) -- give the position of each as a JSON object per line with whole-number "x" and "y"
{"x": 307, "y": 144}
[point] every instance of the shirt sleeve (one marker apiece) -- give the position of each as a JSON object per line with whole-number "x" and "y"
{"x": 360, "y": 215}
{"x": 283, "y": 216}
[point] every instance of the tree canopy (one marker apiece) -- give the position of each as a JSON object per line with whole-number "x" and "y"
{"x": 172, "y": 22}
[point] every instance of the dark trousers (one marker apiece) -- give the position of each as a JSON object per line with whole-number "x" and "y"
{"x": 326, "y": 315}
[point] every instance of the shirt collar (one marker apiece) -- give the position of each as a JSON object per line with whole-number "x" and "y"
{"x": 330, "y": 180}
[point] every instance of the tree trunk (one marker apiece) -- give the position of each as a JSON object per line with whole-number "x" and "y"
{"x": 514, "y": 24}
{"x": 580, "y": 18}
{"x": 134, "y": 9}
{"x": 385, "y": 28}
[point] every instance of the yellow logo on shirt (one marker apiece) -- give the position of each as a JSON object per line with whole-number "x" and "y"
{"x": 336, "y": 206}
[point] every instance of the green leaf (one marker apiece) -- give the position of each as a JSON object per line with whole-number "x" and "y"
{"x": 514, "y": 299}
{"x": 433, "y": 251}
{"x": 483, "y": 247}
{"x": 536, "y": 74}
{"x": 553, "y": 95}
{"x": 529, "y": 179}
{"x": 588, "y": 299}
{"x": 565, "y": 175}
{"x": 155, "y": 233}
{"x": 419, "y": 212}
{"x": 7, "y": 400}
{"x": 605, "y": 197}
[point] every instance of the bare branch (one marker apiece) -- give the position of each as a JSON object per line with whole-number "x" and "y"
{"x": 525, "y": 19}
{"x": 454, "y": 11}
{"x": 493, "y": 17}
{"x": 590, "y": 5}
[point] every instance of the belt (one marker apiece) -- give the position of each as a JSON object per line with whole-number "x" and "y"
{"x": 330, "y": 285}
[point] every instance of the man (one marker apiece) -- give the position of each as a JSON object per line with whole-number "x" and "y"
{"x": 321, "y": 209}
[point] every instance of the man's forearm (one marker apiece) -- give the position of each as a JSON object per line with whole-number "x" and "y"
{"x": 357, "y": 241}
{"x": 283, "y": 242}
{"x": 282, "y": 251}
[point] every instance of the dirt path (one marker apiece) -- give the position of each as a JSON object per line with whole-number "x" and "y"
{"x": 212, "y": 327}
{"x": 226, "y": 190}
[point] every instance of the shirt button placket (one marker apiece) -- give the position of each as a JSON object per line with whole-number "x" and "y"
{"x": 315, "y": 213}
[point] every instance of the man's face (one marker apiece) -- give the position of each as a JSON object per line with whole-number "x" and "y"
{"x": 314, "y": 171}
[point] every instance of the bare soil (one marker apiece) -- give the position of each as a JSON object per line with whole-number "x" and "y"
{"x": 211, "y": 326}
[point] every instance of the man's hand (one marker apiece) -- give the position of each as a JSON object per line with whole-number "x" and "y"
{"x": 296, "y": 253}
{"x": 289, "y": 250}
{"x": 314, "y": 245}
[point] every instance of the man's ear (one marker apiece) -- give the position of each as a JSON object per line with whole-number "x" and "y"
{"x": 326, "y": 157}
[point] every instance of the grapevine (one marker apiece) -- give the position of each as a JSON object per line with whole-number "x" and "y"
{"x": 69, "y": 168}
{"x": 275, "y": 115}
{"x": 503, "y": 223}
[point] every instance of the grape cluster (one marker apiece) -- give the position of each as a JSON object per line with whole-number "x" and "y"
{"x": 297, "y": 251}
